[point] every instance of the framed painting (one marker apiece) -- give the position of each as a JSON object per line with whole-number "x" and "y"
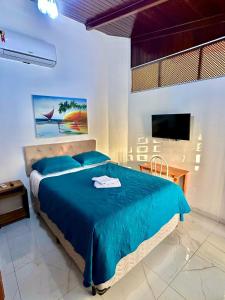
{"x": 59, "y": 116}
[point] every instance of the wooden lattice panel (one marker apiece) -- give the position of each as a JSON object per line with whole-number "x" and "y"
{"x": 213, "y": 60}
{"x": 202, "y": 63}
{"x": 180, "y": 68}
{"x": 146, "y": 77}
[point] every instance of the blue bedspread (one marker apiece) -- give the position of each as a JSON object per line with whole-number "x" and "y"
{"x": 104, "y": 225}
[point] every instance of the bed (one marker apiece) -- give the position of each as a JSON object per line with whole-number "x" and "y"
{"x": 106, "y": 232}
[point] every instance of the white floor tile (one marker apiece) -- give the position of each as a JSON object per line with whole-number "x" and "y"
{"x": 17, "y": 228}
{"x": 45, "y": 240}
{"x": 6, "y": 265}
{"x": 156, "y": 284}
{"x": 200, "y": 279}
{"x": 201, "y": 221}
{"x": 10, "y": 287}
{"x": 35, "y": 221}
{"x": 213, "y": 254}
{"x": 45, "y": 281}
{"x": 58, "y": 258}
{"x": 217, "y": 237}
{"x": 36, "y": 282}
{"x": 196, "y": 228}
{"x": 171, "y": 255}
{"x": 45, "y": 272}
{"x": 23, "y": 249}
{"x": 133, "y": 286}
{"x": 80, "y": 293}
{"x": 170, "y": 294}
{"x": 3, "y": 237}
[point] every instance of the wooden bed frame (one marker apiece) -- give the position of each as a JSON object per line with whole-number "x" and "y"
{"x": 34, "y": 153}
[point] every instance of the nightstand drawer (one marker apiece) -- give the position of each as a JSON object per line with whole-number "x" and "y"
{"x": 10, "y": 204}
{"x": 13, "y": 202}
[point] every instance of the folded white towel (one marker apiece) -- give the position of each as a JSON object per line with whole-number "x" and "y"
{"x": 105, "y": 179}
{"x": 114, "y": 184}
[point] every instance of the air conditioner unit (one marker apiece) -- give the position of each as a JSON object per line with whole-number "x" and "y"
{"x": 20, "y": 47}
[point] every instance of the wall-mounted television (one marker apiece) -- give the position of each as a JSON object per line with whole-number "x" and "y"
{"x": 171, "y": 126}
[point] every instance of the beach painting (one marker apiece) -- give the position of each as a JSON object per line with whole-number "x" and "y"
{"x": 59, "y": 116}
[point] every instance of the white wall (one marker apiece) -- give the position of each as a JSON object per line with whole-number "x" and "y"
{"x": 119, "y": 86}
{"x": 84, "y": 62}
{"x": 205, "y": 101}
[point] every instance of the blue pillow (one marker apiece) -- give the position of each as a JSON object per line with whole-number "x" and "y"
{"x": 90, "y": 158}
{"x": 54, "y": 164}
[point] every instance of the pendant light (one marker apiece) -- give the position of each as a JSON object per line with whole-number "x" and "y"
{"x": 48, "y": 7}
{"x": 52, "y": 9}
{"x": 42, "y": 6}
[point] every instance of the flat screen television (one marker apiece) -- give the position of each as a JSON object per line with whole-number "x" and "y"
{"x": 171, "y": 126}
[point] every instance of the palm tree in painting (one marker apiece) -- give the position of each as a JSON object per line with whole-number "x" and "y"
{"x": 64, "y": 106}
{"x": 76, "y": 119}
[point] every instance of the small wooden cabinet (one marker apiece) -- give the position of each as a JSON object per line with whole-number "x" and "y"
{"x": 13, "y": 202}
{"x": 2, "y": 295}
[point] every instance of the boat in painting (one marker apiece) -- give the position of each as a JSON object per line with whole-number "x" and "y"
{"x": 50, "y": 114}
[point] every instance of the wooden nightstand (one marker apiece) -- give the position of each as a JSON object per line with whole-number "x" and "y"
{"x": 13, "y": 202}
{"x": 178, "y": 175}
{"x": 2, "y": 295}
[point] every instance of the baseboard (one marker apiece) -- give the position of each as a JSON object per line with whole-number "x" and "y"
{"x": 208, "y": 215}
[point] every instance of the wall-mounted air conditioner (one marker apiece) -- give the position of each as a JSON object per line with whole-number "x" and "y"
{"x": 20, "y": 47}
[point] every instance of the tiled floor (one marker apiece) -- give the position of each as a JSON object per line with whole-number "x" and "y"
{"x": 189, "y": 264}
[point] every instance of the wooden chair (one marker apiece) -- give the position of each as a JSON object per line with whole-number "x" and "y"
{"x": 159, "y": 166}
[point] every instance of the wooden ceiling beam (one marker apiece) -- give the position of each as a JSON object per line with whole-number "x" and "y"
{"x": 122, "y": 12}
{"x": 189, "y": 26}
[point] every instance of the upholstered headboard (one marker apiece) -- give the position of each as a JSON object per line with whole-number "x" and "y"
{"x": 34, "y": 153}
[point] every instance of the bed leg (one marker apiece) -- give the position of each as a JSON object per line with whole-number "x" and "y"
{"x": 94, "y": 291}
{"x": 99, "y": 292}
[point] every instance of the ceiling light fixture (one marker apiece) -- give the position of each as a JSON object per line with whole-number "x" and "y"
{"x": 42, "y": 6}
{"x": 48, "y": 7}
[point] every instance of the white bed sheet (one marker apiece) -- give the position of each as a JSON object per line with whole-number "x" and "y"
{"x": 36, "y": 177}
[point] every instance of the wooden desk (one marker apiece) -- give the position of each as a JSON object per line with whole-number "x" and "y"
{"x": 178, "y": 175}
{"x": 2, "y": 295}
{"x": 13, "y": 192}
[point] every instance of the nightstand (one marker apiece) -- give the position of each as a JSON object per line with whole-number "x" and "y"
{"x": 13, "y": 202}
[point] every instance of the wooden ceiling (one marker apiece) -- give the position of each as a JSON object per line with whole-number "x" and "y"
{"x": 151, "y": 24}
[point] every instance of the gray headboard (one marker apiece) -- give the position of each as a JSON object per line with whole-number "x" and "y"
{"x": 36, "y": 152}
